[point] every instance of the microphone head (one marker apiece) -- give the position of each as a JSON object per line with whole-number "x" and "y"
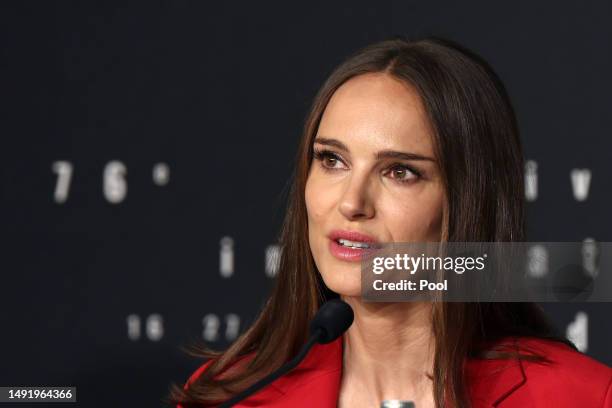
{"x": 333, "y": 319}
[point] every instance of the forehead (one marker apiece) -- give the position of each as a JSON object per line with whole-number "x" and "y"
{"x": 377, "y": 111}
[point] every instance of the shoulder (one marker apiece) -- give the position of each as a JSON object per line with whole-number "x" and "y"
{"x": 229, "y": 369}
{"x": 568, "y": 378}
{"x": 572, "y": 370}
{"x": 565, "y": 362}
{"x": 197, "y": 373}
{"x": 194, "y": 376}
{"x": 235, "y": 365}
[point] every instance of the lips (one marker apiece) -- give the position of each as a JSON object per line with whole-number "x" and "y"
{"x": 351, "y": 236}
{"x": 352, "y": 254}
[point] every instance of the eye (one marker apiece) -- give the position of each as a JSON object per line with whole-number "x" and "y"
{"x": 403, "y": 173}
{"x": 399, "y": 172}
{"x": 328, "y": 159}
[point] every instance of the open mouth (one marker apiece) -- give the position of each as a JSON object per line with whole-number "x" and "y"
{"x": 354, "y": 244}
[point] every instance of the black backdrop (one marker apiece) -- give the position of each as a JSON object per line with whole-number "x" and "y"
{"x": 147, "y": 147}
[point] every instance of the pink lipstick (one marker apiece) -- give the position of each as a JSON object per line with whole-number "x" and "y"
{"x": 351, "y": 246}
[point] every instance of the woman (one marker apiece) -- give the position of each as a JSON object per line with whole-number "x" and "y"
{"x": 407, "y": 141}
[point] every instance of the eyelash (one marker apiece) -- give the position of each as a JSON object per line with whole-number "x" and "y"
{"x": 322, "y": 154}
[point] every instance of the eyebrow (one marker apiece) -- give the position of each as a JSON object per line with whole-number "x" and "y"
{"x": 383, "y": 154}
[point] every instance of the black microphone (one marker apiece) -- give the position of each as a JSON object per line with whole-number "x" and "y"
{"x": 331, "y": 320}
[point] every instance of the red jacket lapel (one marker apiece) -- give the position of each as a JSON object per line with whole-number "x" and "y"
{"x": 492, "y": 381}
{"x": 316, "y": 381}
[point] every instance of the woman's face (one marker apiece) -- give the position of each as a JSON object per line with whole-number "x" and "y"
{"x": 373, "y": 173}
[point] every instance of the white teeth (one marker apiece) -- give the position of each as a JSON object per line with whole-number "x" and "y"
{"x": 354, "y": 244}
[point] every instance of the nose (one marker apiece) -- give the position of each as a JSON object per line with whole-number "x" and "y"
{"x": 356, "y": 201}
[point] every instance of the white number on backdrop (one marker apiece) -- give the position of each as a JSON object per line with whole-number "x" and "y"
{"x": 232, "y": 326}
{"x": 114, "y": 183}
{"x": 272, "y": 260}
{"x": 531, "y": 180}
{"x": 581, "y": 181}
{"x": 161, "y": 174}
{"x": 590, "y": 256}
{"x": 226, "y": 257}
{"x": 63, "y": 169}
{"x": 154, "y": 327}
{"x": 537, "y": 261}
{"x": 578, "y": 331}
{"x": 133, "y": 327}
{"x": 212, "y": 325}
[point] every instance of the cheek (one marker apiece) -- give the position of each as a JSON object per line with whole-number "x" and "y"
{"x": 311, "y": 204}
{"x": 319, "y": 199}
{"x": 416, "y": 220}
{"x": 313, "y": 209}
{"x": 320, "y": 202}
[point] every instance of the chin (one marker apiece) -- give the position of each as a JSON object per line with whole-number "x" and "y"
{"x": 343, "y": 283}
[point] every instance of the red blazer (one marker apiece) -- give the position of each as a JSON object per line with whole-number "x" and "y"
{"x": 573, "y": 380}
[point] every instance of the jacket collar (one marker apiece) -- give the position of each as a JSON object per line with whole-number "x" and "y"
{"x": 493, "y": 380}
{"x": 490, "y": 380}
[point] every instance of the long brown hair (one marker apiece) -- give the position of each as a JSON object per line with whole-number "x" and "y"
{"x": 476, "y": 141}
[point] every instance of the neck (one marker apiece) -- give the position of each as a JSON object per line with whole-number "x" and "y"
{"x": 389, "y": 351}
